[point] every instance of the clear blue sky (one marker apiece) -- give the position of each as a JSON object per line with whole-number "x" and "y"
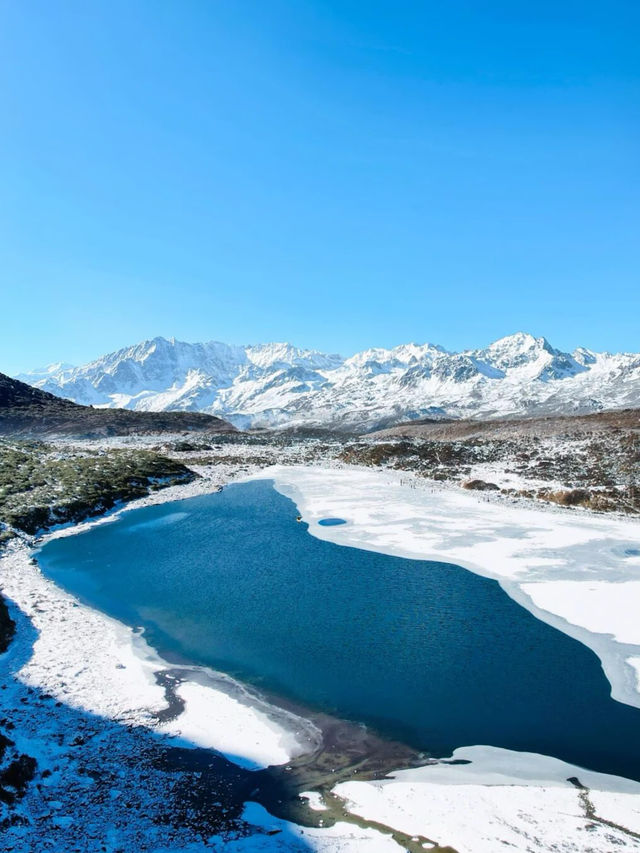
{"x": 336, "y": 173}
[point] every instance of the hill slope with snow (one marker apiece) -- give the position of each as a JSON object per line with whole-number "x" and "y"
{"x": 281, "y": 385}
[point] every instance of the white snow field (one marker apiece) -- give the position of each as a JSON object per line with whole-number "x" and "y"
{"x": 503, "y": 800}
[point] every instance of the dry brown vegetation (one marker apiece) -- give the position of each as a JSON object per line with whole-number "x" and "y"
{"x": 624, "y": 420}
{"x": 591, "y": 462}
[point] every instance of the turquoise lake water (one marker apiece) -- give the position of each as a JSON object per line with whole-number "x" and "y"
{"x": 426, "y": 652}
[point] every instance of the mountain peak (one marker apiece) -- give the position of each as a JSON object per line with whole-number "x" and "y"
{"x": 519, "y": 340}
{"x": 49, "y": 370}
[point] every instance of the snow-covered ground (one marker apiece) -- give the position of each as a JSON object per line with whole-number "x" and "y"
{"x": 503, "y": 799}
{"x": 540, "y": 556}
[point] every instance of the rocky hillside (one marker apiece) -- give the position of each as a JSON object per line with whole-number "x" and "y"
{"x": 42, "y": 485}
{"x": 616, "y": 422}
{"x": 29, "y": 411}
{"x": 589, "y": 461}
{"x": 280, "y": 385}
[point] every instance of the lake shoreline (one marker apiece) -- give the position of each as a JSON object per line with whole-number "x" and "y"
{"x": 146, "y": 659}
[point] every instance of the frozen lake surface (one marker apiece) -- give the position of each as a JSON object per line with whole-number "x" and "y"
{"x": 427, "y": 652}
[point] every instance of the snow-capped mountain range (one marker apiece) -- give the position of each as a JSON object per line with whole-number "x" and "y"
{"x": 280, "y": 385}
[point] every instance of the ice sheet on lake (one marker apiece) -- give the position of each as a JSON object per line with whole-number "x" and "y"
{"x": 528, "y": 550}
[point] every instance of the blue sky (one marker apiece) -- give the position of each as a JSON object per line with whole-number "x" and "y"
{"x": 338, "y": 174}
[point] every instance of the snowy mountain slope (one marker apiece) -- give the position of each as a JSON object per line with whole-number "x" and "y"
{"x": 278, "y": 384}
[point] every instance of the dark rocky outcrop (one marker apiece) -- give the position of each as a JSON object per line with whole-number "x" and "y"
{"x": 7, "y": 626}
{"x": 29, "y": 412}
{"x": 480, "y": 486}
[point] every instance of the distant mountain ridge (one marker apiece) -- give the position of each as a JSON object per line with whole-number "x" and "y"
{"x": 281, "y": 385}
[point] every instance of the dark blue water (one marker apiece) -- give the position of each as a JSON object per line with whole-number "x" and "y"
{"x": 427, "y": 652}
{"x": 331, "y": 522}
